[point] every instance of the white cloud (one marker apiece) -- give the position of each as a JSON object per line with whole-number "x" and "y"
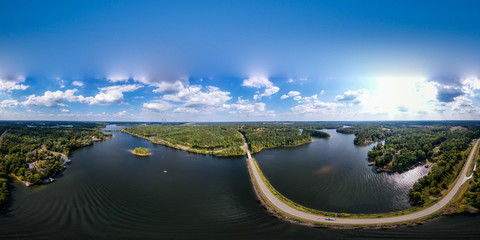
{"x": 52, "y": 99}
{"x": 463, "y": 105}
{"x": 169, "y": 88}
{"x": 355, "y": 97}
{"x": 257, "y": 82}
{"x": 194, "y": 99}
{"x": 158, "y": 106}
{"x": 244, "y": 105}
{"x": 261, "y": 82}
{"x": 113, "y": 94}
{"x": 322, "y": 92}
{"x": 61, "y": 82}
{"x": 306, "y": 99}
{"x": 9, "y": 84}
{"x": 9, "y": 103}
{"x": 122, "y": 113}
{"x": 107, "y": 95}
{"x": 301, "y": 80}
{"x": 315, "y": 106}
{"x": 290, "y": 94}
{"x": 117, "y": 78}
{"x": 470, "y": 85}
{"x": 77, "y": 83}
{"x": 64, "y": 110}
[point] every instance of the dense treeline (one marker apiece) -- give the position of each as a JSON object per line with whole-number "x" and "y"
{"x": 42, "y": 147}
{"x": 3, "y": 187}
{"x": 224, "y": 139}
{"x": 22, "y": 140}
{"x": 451, "y": 156}
{"x": 407, "y": 146}
{"x": 261, "y": 136}
{"x": 221, "y": 140}
{"x": 472, "y": 196}
{"x": 316, "y": 133}
{"x": 443, "y": 145}
{"x": 364, "y": 134}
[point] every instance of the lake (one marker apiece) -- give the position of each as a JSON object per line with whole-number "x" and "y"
{"x": 109, "y": 193}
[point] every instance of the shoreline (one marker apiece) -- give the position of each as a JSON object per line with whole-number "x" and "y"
{"x": 184, "y": 148}
{"x": 207, "y": 152}
{"x": 316, "y": 218}
{"x": 140, "y": 154}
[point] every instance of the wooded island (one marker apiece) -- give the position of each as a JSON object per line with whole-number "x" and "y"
{"x": 140, "y": 151}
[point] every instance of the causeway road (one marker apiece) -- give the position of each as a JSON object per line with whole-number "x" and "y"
{"x": 277, "y": 203}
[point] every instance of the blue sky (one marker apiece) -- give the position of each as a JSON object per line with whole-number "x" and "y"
{"x": 239, "y": 60}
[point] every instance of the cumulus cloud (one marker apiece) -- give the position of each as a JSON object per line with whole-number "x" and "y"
{"x": 107, "y": 95}
{"x": 448, "y": 89}
{"x": 300, "y": 99}
{"x": 290, "y": 94}
{"x": 244, "y": 105}
{"x": 463, "y": 105}
{"x": 113, "y": 94}
{"x": 9, "y": 103}
{"x": 77, "y": 83}
{"x": 355, "y": 97}
{"x": 315, "y": 106}
{"x": 117, "y": 78}
{"x": 158, "y": 106}
{"x": 52, "y": 99}
{"x": 261, "y": 82}
{"x": 448, "y": 94}
{"x": 470, "y": 86}
{"x": 64, "y": 110}
{"x": 194, "y": 98}
{"x": 122, "y": 113}
{"x": 9, "y": 84}
{"x": 169, "y": 88}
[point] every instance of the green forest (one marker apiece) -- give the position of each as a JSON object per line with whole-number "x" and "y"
{"x": 225, "y": 139}
{"x": 42, "y": 147}
{"x": 444, "y": 146}
{"x": 261, "y": 136}
{"x": 471, "y": 199}
{"x": 219, "y": 140}
{"x": 365, "y": 134}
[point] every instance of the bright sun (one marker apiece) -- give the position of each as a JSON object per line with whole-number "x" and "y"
{"x": 398, "y": 96}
